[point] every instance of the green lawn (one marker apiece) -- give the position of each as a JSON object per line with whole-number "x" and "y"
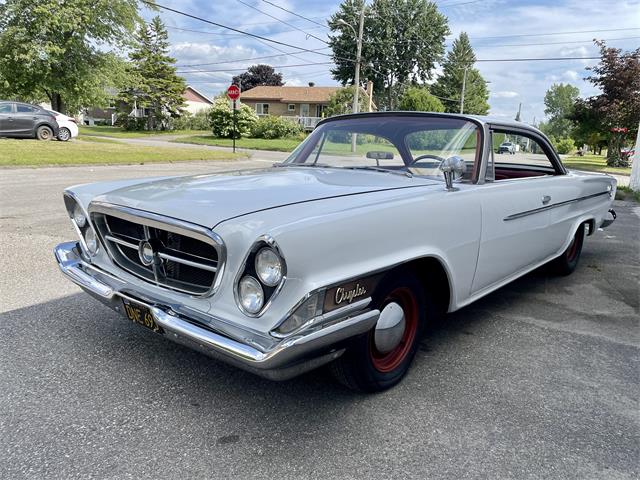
{"x": 118, "y": 132}
{"x": 276, "y": 144}
{"x": 596, "y": 163}
{"x": 36, "y": 153}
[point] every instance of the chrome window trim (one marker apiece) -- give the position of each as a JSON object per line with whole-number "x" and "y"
{"x": 170, "y": 224}
{"x": 270, "y": 241}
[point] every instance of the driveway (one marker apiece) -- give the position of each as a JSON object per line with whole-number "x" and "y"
{"x": 537, "y": 380}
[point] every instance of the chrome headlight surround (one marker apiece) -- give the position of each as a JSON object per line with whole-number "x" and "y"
{"x": 249, "y": 268}
{"x": 80, "y": 220}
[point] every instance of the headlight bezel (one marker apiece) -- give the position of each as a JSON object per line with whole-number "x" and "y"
{"x": 248, "y": 267}
{"x": 72, "y": 203}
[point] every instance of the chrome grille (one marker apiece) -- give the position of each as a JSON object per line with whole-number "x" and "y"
{"x": 166, "y": 252}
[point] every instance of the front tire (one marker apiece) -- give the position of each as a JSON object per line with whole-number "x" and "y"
{"x": 379, "y": 359}
{"x": 64, "y": 135}
{"x": 44, "y": 133}
{"x": 566, "y": 263}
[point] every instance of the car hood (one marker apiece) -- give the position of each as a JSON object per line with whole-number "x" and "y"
{"x": 212, "y": 198}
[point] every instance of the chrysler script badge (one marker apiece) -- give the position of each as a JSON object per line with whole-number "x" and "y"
{"x": 344, "y": 295}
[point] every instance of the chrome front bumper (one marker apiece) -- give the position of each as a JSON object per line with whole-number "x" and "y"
{"x": 276, "y": 359}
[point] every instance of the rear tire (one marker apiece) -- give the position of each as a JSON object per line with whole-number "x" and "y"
{"x": 64, "y": 135}
{"x": 363, "y": 366}
{"x": 566, "y": 263}
{"x": 44, "y": 133}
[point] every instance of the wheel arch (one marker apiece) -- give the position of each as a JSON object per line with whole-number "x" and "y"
{"x": 434, "y": 277}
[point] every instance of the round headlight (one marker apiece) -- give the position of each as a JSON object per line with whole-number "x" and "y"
{"x": 91, "y": 241}
{"x": 269, "y": 267}
{"x": 250, "y": 294}
{"x": 78, "y": 217}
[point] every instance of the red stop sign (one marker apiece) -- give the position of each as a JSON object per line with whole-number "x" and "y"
{"x": 233, "y": 92}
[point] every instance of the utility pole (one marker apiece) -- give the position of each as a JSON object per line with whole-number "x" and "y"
{"x": 464, "y": 87}
{"x": 356, "y": 78}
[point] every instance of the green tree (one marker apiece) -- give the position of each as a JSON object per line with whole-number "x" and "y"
{"x": 341, "y": 102}
{"x": 420, "y": 100}
{"x": 257, "y": 75}
{"x": 221, "y": 119}
{"x": 402, "y": 42}
{"x": 56, "y": 50}
{"x": 476, "y": 95}
{"x": 559, "y": 104}
{"x": 618, "y": 106}
{"x": 155, "y": 84}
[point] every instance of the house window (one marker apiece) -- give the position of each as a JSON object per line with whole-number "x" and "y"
{"x": 291, "y": 107}
{"x": 262, "y": 108}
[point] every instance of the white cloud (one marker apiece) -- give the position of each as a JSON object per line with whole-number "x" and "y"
{"x": 505, "y": 94}
{"x": 571, "y": 75}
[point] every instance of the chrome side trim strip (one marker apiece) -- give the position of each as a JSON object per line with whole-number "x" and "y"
{"x": 526, "y": 213}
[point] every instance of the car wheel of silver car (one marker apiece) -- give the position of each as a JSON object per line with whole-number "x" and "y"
{"x": 566, "y": 263}
{"x": 64, "y": 134}
{"x": 44, "y": 133}
{"x": 379, "y": 359}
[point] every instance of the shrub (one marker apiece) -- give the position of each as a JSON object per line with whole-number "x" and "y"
{"x": 271, "y": 126}
{"x": 221, "y": 119}
{"x": 188, "y": 121}
{"x": 564, "y": 145}
{"x": 132, "y": 124}
{"x": 418, "y": 99}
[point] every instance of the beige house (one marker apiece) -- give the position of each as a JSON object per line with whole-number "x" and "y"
{"x": 302, "y": 104}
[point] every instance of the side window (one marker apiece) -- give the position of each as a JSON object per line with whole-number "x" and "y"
{"x": 5, "y": 108}
{"x": 518, "y": 156}
{"x": 25, "y": 109}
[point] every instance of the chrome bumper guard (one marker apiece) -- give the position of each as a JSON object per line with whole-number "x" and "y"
{"x": 275, "y": 360}
{"x": 608, "y": 221}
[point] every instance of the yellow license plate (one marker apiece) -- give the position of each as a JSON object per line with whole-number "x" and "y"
{"x": 141, "y": 315}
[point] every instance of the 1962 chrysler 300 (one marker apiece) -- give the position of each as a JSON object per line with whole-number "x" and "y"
{"x": 335, "y": 256}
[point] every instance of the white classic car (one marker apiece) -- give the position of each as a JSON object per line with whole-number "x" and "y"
{"x": 343, "y": 253}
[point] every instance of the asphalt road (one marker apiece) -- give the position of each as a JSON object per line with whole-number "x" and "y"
{"x": 538, "y": 380}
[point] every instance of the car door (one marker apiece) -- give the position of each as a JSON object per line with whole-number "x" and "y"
{"x": 6, "y": 118}
{"x": 25, "y": 119}
{"x": 515, "y": 201}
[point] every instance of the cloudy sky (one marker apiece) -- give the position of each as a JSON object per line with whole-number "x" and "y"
{"x": 499, "y": 29}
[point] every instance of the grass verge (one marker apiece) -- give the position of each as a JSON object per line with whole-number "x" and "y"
{"x": 118, "y": 132}
{"x": 35, "y": 153}
{"x": 595, "y": 163}
{"x": 625, "y": 193}
{"x": 276, "y": 144}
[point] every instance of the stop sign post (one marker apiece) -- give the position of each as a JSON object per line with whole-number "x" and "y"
{"x": 233, "y": 92}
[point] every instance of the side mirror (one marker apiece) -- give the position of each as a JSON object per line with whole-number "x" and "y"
{"x": 452, "y": 168}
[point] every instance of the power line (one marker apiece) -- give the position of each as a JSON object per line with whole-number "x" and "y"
{"x": 294, "y": 13}
{"x": 238, "y": 60}
{"x": 223, "y": 34}
{"x": 556, "y": 33}
{"x": 281, "y": 21}
{"x": 551, "y": 43}
{"x": 249, "y": 34}
{"x": 458, "y": 4}
{"x": 536, "y": 59}
{"x": 242, "y": 69}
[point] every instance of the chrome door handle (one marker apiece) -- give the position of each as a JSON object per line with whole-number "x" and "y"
{"x": 546, "y": 199}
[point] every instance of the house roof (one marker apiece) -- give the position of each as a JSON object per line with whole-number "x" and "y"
{"x": 194, "y": 95}
{"x": 290, "y": 94}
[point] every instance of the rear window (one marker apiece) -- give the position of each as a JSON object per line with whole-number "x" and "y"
{"x": 26, "y": 109}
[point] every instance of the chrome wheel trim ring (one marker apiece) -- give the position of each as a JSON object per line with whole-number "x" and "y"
{"x": 64, "y": 134}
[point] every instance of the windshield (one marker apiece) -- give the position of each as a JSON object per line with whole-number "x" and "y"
{"x": 414, "y": 144}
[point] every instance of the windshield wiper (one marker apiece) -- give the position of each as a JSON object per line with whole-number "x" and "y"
{"x": 380, "y": 169}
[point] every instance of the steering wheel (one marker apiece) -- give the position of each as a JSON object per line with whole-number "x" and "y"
{"x": 426, "y": 155}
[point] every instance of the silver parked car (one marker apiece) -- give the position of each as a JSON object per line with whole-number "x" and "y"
{"x": 333, "y": 256}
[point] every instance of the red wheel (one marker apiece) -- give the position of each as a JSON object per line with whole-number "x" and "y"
{"x": 380, "y": 358}
{"x": 568, "y": 261}
{"x": 386, "y": 357}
